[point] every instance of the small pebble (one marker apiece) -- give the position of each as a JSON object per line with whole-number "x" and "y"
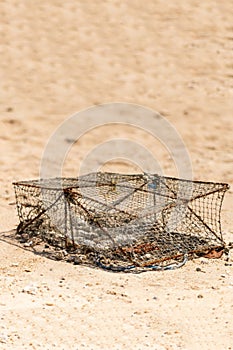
{"x": 198, "y": 269}
{"x": 3, "y": 338}
{"x": 28, "y": 244}
{"x": 59, "y": 256}
{"x": 30, "y": 289}
{"x": 200, "y": 296}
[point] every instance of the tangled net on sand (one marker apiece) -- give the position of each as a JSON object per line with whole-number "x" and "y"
{"x": 122, "y": 222}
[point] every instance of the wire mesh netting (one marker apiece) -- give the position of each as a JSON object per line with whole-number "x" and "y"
{"x": 123, "y": 222}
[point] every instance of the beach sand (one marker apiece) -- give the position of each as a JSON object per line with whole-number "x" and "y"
{"x": 58, "y": 58}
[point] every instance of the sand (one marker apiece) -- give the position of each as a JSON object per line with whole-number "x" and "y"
{"x": 58, "y": 58}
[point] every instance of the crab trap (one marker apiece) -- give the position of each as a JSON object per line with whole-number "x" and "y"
{"x": 122, "y": 222}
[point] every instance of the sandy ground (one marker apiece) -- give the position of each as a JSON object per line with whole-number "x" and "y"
{"x": 57, "y": 58}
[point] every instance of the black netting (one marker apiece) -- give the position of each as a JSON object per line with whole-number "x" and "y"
{"x": 122, "y": 222}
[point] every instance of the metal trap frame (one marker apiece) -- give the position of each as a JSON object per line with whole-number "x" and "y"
{"x": 123, "y": 222}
